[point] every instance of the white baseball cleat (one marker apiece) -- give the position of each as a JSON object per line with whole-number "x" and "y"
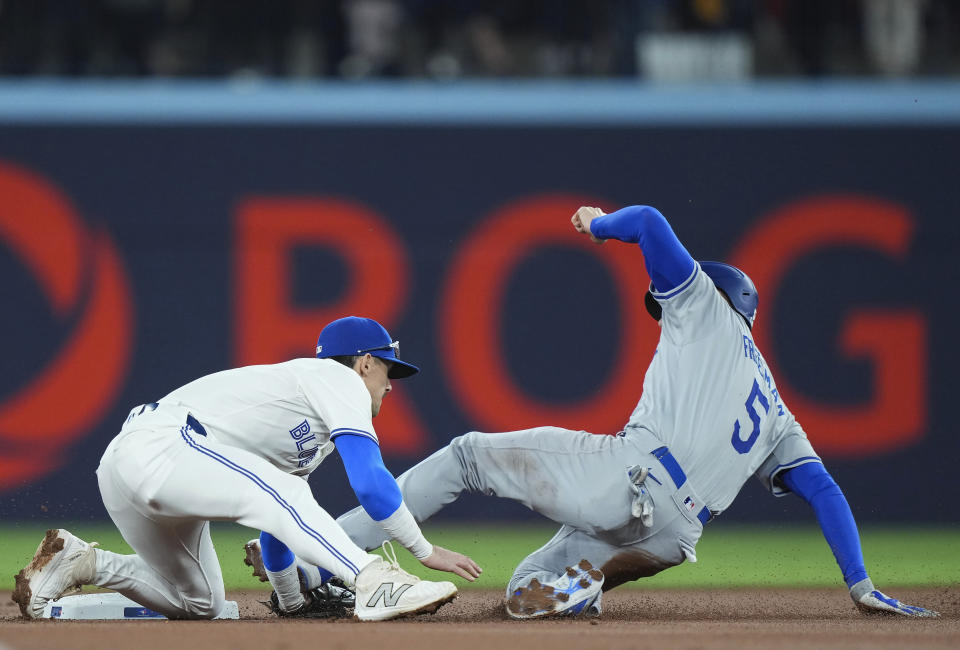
{"x": 574, "y": 593}
{"x": 385, "y": 591}
{"x": 62, "y": 562}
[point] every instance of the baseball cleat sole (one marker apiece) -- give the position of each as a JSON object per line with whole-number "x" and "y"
{"x": 254, "y": 558}
{"x": 569, "y": 595}
{"x": 22, "y": 593}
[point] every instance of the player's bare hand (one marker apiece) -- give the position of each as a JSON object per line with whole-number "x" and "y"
{"x": 581, "y": 221}
{"x": 446, "y": 560}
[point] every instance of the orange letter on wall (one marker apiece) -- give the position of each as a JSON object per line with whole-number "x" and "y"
{"x": 471, "y": 313}
{"x": 65, "y": 400}
{"x": 270, "y": 328}
{"x": 894, "y": 340}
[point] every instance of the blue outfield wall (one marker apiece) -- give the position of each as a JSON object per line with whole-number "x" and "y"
{"x": 151, "y": 233}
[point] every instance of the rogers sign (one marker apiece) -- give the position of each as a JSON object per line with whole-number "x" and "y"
{"x": 471, "y": 296}
{"x": 79, "y": 270}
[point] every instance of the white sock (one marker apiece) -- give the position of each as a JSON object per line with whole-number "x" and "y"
{"x": 286, "y": 583}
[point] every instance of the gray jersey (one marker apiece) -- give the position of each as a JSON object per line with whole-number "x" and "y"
{"x": 709, "y": 396}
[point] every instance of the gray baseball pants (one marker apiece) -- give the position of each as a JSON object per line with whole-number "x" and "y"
{"x": 575, "y": 478}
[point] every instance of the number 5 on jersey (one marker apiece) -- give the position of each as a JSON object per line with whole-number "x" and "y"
{"x": 743, "y": 446}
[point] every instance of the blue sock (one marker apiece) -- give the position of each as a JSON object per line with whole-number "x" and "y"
{"x": 276, "y": 555}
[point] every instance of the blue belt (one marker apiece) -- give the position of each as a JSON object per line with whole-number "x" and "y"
{"x": 196, "y": 426}
{"x": 679, "y": 477}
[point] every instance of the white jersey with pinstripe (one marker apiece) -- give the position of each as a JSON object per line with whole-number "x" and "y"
{"x": 708, "y": 395}
{"x": 287, "y": 413}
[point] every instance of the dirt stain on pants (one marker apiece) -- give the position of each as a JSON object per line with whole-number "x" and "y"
{"x": 631, "y": 565}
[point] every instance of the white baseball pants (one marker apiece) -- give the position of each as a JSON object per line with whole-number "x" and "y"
{"x": 162, "y": 483}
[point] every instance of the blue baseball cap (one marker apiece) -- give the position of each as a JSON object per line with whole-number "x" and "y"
{"x": 353, "y": 336}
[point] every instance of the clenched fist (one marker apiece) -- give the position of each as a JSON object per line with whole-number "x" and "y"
{"x": 581, "y": 221}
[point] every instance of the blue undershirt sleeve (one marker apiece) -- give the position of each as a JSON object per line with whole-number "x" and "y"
{"x": 812, "y": 483}
{"x": 374, "y": 485}
{"x": 668, "y": 262}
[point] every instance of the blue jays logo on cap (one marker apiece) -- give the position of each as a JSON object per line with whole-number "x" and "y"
{"x": 354, "y": 336}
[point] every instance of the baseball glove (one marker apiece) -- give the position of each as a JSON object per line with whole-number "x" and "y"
{"x": 330, "y": 600}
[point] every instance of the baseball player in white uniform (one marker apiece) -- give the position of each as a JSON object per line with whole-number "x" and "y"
{"x": 635, "y": 503}
{"x": 238, "y": 445}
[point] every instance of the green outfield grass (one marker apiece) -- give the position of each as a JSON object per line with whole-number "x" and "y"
{"x": 729, "y": 556}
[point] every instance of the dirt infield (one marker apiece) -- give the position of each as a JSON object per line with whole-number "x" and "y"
{"x": 676, "y": 619}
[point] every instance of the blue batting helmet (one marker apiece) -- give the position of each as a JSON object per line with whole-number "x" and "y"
{"x": 734, "y": 283}
{"x": 737, "y": 286}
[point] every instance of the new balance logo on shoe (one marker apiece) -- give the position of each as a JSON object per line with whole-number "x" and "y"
{"x": 388, "y": 594}
{"x": 385, "y": 591}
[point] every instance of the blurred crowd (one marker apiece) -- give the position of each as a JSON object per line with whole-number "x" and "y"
{"x": 449, "y": 39}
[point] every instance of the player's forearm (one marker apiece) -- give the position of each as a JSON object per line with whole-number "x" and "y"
{"x": 376, "y": 489}
{"x": 379, "y": 494}
{"x": 385, "y": 506}
{"x": 815, "y": 486}
{"x": 402, "y": 527}
{"x": 668, "y": 262}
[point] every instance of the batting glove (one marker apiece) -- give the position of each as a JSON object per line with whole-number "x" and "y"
{"x": 642, "y": 505}
{"x": 871, "y": 601}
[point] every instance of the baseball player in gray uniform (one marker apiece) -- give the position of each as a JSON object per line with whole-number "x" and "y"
{"x": 633, "y": 504}
{"x": 239, "y": 445}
